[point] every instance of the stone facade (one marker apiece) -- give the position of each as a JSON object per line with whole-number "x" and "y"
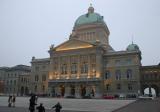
{"x": 39, "y": 76}
{"x": 24, "y": 84}
{"x": 150, "y": 78}
{"x": 11, "y": 78}
{"x": 2, "y": 79}
{"x": 86, "y": 64}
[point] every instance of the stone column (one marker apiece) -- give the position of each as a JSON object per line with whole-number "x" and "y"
{"x": 68, "y": 68}
{"x": 78, "y": 67}
{"x": 77, "y": 91}
{"x": 98, "y": 62}
{"x": 97, "y": 92}
{"x": 150, "y": 91}
{"x": 67, "y": 91}
{"x": 59, "y": 67}
{"x": 89, "y": 66}
{"x": 57, "y": 90}
{"x": 88, "y": 90}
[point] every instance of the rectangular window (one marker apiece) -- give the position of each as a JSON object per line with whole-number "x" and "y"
{"x": 73, "y": 68}
{"x": 107, "y": 87}
{"x": 129, "y": 86}
{"x": 44, "y": 77}
{"x": 36, "y": 78}
{"x": 118, "y": 86}
{"x": 117, "y": 62}
{"x": 36, "y": 68}
{"x": 107, "y": 75}
{"x": 84, "y": 68}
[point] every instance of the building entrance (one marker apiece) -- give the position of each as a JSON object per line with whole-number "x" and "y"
{"x": 83, "y": 91}
{"x": 72, "y": 90}
{"x": 62, "y": 90}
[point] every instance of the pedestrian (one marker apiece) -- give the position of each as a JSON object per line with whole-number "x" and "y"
{"x": 13, "y": 100}
{"x": 57, "y": 107}
{"x": 32, "y": 103}
{"x": 10, "y": 101}
{"x": 41, "y": 108}
{"x": 36, "y": 99}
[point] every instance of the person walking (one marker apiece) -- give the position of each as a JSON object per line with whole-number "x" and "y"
{"x": 57, "y": 107}
{"x": 41, "y": 108}
{"x": 13, "y": 100}
{"x": 32, "y": 103}
{"x": 10, "y": 101}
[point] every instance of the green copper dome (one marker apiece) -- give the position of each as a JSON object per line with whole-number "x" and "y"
{"x": 90, "y": 17}
{"x": 133, "y": 47}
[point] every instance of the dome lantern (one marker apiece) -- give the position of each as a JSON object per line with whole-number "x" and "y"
{"x": 90, "y": 9}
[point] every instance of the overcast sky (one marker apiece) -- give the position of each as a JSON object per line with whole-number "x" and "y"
{"x": 29, "y": 27}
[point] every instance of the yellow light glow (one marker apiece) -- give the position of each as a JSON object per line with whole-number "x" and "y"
{"x": 77, "y": 77}
{"x": 97, "y": 75}
{"x": 79, "y": 47}
{"x": 50, "y": 75}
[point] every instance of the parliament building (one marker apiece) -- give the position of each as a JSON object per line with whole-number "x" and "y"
{"x": 87, "y": 65}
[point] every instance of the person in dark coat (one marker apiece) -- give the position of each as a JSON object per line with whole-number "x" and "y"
{"x": 32, "y": 103}
{"x": 57, "y": 107}
{"x": 41, "y": 108}
{"x": 14, "y": 100}
{"x": 10, "y": 101}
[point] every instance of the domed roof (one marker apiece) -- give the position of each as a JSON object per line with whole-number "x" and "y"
{"x": 133, "y": 47}
{"x": 90, "y": 17}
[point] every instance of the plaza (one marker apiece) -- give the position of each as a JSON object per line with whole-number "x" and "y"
{"x": 69, "y": 105}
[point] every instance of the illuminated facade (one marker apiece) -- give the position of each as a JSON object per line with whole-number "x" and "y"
{"x": 87, "y": 65}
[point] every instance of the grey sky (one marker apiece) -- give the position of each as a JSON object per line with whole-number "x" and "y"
{"x": 29, "y": 27}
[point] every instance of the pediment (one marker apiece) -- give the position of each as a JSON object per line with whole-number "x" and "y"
{"x": 73, "y": 44}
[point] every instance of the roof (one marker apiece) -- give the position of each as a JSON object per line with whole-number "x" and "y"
{"x": 40, "y": 60}
{"x": 90, "y": 17}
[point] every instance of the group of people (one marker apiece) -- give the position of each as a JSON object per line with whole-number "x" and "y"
{"x": 11, "y": 101}
{"x": 41, "y": 108}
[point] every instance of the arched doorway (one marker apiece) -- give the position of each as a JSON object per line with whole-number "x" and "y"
{"x": 72, "y": 90}
{"x": 151, "y": 90}
{"x": 83, "y": 91}
{"x": 22, "y": 91}
{"x": 62, "y": 90}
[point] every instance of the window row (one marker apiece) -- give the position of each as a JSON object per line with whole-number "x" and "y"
{"x": 25, "y": 80}
{"x": 118, "y": 62}
{"x": 12, "y": 75}
{"x": 36, "y": 88}
{"x": 37, "y": 68}
{"x": 118, "y": 74}
{"x": 11, "y": 82}
{"x": 37, "y": 78}
{"x": 119, "y": 87}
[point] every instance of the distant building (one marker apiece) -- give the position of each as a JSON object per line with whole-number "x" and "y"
{"x": 2, "y": 79}
{"x": 11, "y": 78}
{"x": 24, "y": 84}
{"x": 150, "y": 78}
{"x": 39, "y": 76}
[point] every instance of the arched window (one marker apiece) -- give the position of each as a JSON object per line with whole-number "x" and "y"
{"x": 129, "y": 74}
{"x": 118, "y": 74}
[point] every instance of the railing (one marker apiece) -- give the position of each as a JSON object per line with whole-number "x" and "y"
{"x": 76, "y": 80}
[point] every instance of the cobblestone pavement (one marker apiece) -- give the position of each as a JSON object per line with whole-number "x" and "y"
{"x": 142, "y": 106}
{"x": 90, "y": 105}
